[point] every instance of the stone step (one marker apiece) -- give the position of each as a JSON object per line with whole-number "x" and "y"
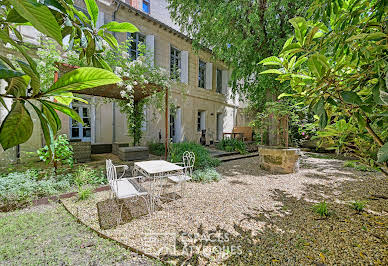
{"x": 238, "y": 157}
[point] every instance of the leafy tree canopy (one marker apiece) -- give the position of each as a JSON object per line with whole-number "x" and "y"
{"x": 336, "y": 63}
{"x": 241, "y": 33}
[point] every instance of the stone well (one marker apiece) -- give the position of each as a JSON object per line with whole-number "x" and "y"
{"x": 279, "y": 160}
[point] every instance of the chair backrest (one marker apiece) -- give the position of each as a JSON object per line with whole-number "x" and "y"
{"x": 110, "y": 171}
{"x": 188, "y": 162}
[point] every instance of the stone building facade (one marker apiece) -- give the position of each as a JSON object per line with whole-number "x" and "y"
{"x": 206, "y": 102}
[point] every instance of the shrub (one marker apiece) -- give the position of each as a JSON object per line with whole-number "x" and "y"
{"x": 206, "y": 175}
{"x": 156, "y": 148}
{"x": 203, "y": 158}
{"x": 358, "y": 205}
{"x": 84, "y": 193}
{"x": 22, "y": 187}
{"x": 232, "y": 145}
{"x": 84, "y": 175}
{"x": 63, "y": 152}
{"x": 321, "y": 209}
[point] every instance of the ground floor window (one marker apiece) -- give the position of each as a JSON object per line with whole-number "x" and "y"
{"x": 201, "y": 123}
{"x": 77, "y": 130}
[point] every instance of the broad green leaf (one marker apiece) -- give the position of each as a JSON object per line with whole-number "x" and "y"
{"x": 315, "y": 66}
{"x": 5, "y": 72}
{"x": 17, "y": 86}
{"x": 323, "y": 119}
{"x": 83, "y": 78}
{"x": 271, "y": 71}
{"x": 64, "y": 109}
{"x": 48, "y": 131}
{"x": 120, "y": 27}
{"x": 288, "y": 42}
{"x": 17, "y": 127}
{"x": 351, "y": 97}
{"x": 376, "y": 36}
{"x": 291, "y": 47}
{"x": 382, "y": 155}
{"x": 299, "y": 62}
{"x": 357, "y": 37}
{"x": 92, "y": 10}
{"x": 110, "y": 39}
{"x": 300, "y": 26}
{"x": 35, "y": 79}
{"x": 14, "y": 17}
{"x": 39, "y": 16}
{"x": 272, "y": 60}
{"x": 52, "y": 116}
{"x": 67, "y": 97}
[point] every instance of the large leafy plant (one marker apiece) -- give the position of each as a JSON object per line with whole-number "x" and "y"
{"x": 55, "y": 19}
{"x": 336, "y": 63}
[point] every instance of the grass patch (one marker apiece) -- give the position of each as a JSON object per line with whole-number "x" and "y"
{"x": 50, "y": 236}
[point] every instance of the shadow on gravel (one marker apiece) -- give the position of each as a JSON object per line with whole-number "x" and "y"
{"x": 295, "y": 234}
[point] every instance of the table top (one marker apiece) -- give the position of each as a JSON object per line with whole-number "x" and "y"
{"x": 158, "y": 166}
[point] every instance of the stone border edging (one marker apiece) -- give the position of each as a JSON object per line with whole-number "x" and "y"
{"x": 102, "y": 235}
{"x": 57, "y": 198}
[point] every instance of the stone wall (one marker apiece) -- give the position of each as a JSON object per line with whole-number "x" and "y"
{"x": 278, "y": 160}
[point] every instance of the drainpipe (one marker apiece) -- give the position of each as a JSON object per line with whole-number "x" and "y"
{"x": 114, "y": 103}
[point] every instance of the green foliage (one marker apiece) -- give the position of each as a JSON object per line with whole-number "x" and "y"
{"x": 63, "y": 152}
{"x": 21, "y": 187}
{"x": 87, "y": 176}
{"x": 84, "y": 193}
{"x": 358, "y": 205}
{"x": 206, "y": 175}
{"x": 241, "y": 33}
{"x": 203, "y": 158}
{"x": 232, "y": 144}
{"x": 156, "y": 148}
{"x": 336, "y": 64}
{"x": 55, "y": 19}
{"x": 358, "y": 166}
{"x": 322, "y": 209}
{"x": 301, "y": 126}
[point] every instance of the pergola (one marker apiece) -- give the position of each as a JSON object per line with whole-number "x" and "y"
{"x": 140, "y": 92}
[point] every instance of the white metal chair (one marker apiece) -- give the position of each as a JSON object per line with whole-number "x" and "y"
{"x": 188, "y": 165}
{"x": 124, "y": 188}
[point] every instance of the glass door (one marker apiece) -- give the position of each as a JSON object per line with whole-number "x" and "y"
{"x": 79, "y": 131}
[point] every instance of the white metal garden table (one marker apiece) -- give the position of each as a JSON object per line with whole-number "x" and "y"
{"x": 156, "y": 172}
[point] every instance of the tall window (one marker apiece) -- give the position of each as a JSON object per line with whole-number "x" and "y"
{"x": 146, "y": 6}
{"x": 172, "y": 127}
{"x": 78, "y": 130}
{"x": 201, "y": 74}
{"x": 175, "y": 63}
{"x": 201, "y": 123}
{"x": 219, "y": 81}
{"x": 137, "y": 39}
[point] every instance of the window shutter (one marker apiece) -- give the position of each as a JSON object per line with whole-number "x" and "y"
{"x": 185, "y": 67}
{"x": 150, "y": 46}
{"x": 225, "y": 81}
{"x": 100, "y": 19}
{"x": 209, "y": 76}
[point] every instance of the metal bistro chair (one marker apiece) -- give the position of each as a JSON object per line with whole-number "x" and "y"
{"x": 124, "y": 188}
{"x": 188, "y": 165}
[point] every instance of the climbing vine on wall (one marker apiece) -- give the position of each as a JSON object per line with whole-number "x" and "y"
{"x": 139, "y": 72}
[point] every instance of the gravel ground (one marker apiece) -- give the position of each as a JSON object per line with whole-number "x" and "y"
{"x": 253, "y": 217}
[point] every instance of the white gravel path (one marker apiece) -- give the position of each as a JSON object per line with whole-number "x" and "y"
{"x": 244, "y": 190}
